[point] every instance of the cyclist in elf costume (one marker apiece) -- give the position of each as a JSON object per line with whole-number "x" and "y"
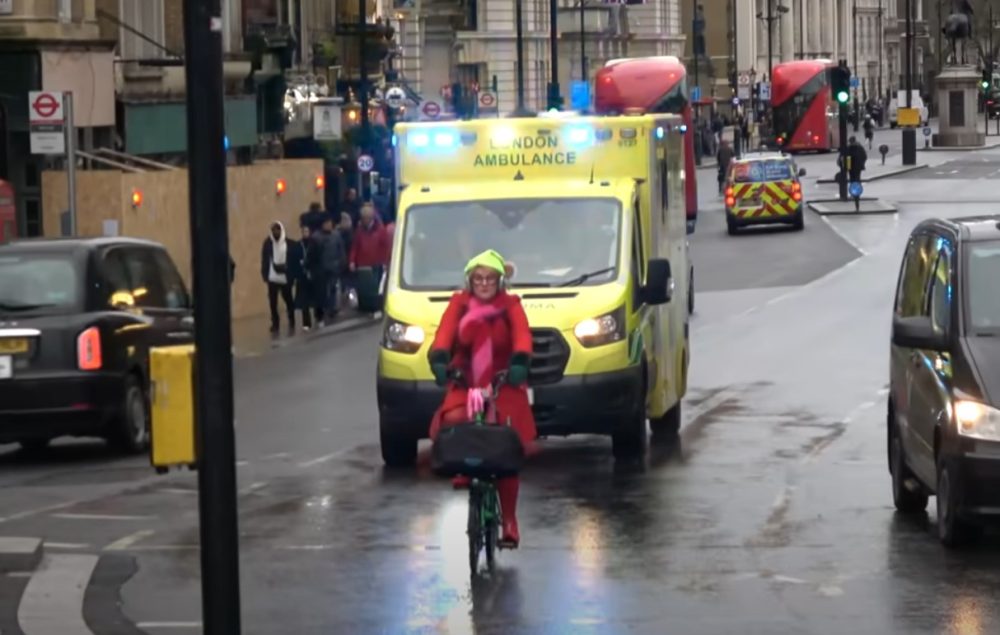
{"x": 484, "y": 331}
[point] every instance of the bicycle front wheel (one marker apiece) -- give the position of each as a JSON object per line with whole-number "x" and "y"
{"x": 475, "y": 528}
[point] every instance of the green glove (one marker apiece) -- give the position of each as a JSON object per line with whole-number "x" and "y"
{"x": 517, "y": 375}
{"x": 439, "y": 366}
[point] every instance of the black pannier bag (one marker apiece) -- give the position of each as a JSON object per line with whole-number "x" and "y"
{"x": 477, "y": 451}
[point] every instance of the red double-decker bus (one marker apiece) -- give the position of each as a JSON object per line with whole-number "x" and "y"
{"x": 803, "y": 111}
{"x": 652, "y": 85}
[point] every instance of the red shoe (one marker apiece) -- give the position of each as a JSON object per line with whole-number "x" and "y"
{"x": 460, "y": 481}
{"x": 511, "y": 536}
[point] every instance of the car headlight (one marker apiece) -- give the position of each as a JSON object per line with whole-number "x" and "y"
{"x": 403, "y": 338}
{"x": 604, "y": 329}
{"x": 977, "y": 421}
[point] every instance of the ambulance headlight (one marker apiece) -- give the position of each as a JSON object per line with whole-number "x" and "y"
{"x": 419, "y": 139}
{"x": 403, "y": 338}
{"x": 580, "y": 136}
{"x": 604, "y": 329}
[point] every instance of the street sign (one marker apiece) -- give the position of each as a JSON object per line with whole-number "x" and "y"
{"x": 765, "y": 91}
{"x": 736, "y": 101}
{"x": 431, "y": 109}
{"x": 395, "y": 97}
{"x": 743, "y": 92}
{"x": 855, "y": 82}
{"x": 366, "y": 163}
{"x": 927, "y": 131}
{"x": 855, "y": 189}
{"x": 744, "y": 79}
{"x": 487, "y": 101}
{"x": 696, "y": 94}
{"x": 579, "y": 95}
{"x": 327, "y": 122}
{"x": 47, "y": 122}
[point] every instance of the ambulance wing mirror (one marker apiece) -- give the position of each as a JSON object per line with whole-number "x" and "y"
{"x": 659, "y": 282}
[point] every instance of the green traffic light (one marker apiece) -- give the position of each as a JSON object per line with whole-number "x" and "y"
{"x": 843, "y": 96}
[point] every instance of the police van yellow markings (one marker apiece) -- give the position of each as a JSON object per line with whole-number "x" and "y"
{"x": 546, "y": 150}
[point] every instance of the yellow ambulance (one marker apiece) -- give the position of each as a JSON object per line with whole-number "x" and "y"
{"x": 590, "y": 213}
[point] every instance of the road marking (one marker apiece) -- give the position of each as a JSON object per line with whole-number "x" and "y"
{"x": 15, "y": 545}
{"x": 325, "y": 458}
{"x": 66, "y": 545}
{"x": 177, "y": 490}
{"x": 306, "y": 547}
{"x": 124, "y": 543}
{"x": 144, "y": 625}
{"x": 253, "y": 488}
{"x": 276, "y": 455}
{"x": 52, "y": 603}
{"x": 40, "y": 510}
{"x": 164, "y": 548}
{"x": 101, "y": 517}
{"x": 843, "y": 236}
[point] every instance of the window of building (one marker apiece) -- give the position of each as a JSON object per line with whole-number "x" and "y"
{"x": 146, "y": 17}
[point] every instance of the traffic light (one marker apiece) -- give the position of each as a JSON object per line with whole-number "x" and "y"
{"x": 840, "y": 83}
{"x": 987, "y": 80}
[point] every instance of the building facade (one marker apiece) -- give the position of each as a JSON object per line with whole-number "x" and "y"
{"x": 474, "y": 43}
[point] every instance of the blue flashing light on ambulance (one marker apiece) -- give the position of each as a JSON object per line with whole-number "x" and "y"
{"x": 590, "y": 212}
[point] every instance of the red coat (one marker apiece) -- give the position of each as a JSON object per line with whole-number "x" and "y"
{"x": 370, "y": 246}
{"x": 510, "y": 335}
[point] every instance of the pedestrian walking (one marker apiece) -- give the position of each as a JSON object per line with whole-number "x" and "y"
{"x": 326, "y": 262}
{"x": 724, "y": 158}
{"x": 369, "y": 252}
{"x": 302, "y": 279}
{"x": 856, "y": 159}
{"x": 869, "y": 130}
{"x": 274, "y": 271}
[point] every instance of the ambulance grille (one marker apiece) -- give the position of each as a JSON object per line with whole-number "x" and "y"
{"x": 550, "y": 356}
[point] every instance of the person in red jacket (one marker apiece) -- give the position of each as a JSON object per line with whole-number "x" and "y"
{"x": 483, "y": 331}
{"x": 370, "y": 243}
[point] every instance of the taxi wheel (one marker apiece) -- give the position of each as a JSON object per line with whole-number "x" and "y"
{"x": 954, "y": 530}
{"x": 397, "y": 450}
{"x": 131, "y": 431}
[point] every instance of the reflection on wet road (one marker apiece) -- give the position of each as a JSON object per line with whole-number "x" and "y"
{"x": 770, "y": 513}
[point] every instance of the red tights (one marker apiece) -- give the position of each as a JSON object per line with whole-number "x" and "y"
{"x": 506, "y": 487}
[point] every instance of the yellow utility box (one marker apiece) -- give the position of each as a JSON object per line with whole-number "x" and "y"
{"x": 172, "y": 391}
{"x": 908, "y": 117}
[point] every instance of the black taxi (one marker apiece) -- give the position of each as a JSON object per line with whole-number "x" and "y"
{"x": 77, "y": 320}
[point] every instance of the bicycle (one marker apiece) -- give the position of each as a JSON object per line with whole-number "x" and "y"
{"x": 485, "y": 516}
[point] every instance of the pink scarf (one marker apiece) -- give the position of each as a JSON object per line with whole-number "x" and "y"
{"x": 478, "y": 317}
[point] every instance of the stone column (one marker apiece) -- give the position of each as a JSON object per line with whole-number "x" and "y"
{"x": 813, "y": 20}
{"x": 829, "y": 28}
{"x": 788, "y": 40}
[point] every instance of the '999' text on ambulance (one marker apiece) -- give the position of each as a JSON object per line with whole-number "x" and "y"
{"x": 590, "y": 213}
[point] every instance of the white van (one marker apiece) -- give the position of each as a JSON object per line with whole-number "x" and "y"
{"x": 917, "y": 102}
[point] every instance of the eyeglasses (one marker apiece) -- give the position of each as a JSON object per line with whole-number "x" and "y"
{"x": 485, "y": 280}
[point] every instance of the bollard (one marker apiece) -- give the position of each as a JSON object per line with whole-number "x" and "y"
{"x": 883, "y": 150}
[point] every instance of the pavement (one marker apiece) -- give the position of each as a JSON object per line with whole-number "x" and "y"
{"x": 770, "y": 514}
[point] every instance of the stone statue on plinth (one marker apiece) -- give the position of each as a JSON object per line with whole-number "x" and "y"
{"x": 958, "y": 29}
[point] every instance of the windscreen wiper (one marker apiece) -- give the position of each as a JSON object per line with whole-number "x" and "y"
{"x": 585, "y": 276}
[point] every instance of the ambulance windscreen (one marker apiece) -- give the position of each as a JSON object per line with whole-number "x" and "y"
{"x": 549, "y": 242}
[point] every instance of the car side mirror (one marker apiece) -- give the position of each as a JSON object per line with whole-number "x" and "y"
{"x": 659, "y": 287}
{"x": 918, "y": 332}
{"x": 802, "y": 171}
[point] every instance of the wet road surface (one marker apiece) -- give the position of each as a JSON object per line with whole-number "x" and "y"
{"x": 771, "y": 514}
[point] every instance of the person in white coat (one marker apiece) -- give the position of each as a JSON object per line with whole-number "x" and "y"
{"x": 274, "y": 271}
